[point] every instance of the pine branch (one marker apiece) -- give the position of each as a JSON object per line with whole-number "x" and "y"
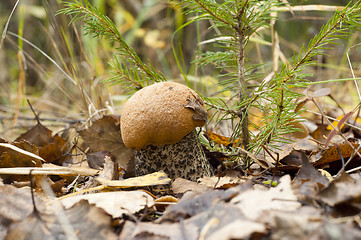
{"x": 331, "y": 31}
{"x": 205, "y": 5}
{"x": 99, "y": 25}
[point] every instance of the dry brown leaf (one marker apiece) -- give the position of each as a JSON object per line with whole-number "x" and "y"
{"x": 166, "y": 199}
{"x": 335, "y": 230}
{"x": 188, "y": 207}
{"x": 86, "y": 222}
{"x": 29, "y": 148}
{"x": 20, "y": 152}
{"x": 222, "y": 182}
{"x": 38, "y": 135}
{"x": 151, "y": 231}
{"x": 253, "y": 203}
{"x": 114, "y": 203}
{"x": 233, "y": 230}
{"x": 331, "y": 154}
{"x": 306, "y": 144}
{"x": 181, "y": 185}
{"x": 309, "y": 173}
{"x": 104, "y": 135}
{"x": 16, "y": 204}
{"x": 308, "y": 181}
{"x": 54, "y": 149}
{"x": 217, "y": 222}
{"x": 292, "y": 160}
{"x": 56, "y": 152}
{"x": 213, "y": 222}
{"x": 110, "y": 169}
{"x": 343, "y": 190}
{"x": 295, "y": 225}
{"x": 197, "y": 106}
{"x": 12, "y": 156}
{"x": 162, "y": 202}
{"x": 302, "y": 131}
{"x": 96, "y": 159}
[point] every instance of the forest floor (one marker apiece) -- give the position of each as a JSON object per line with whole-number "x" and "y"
{"x": 311, "y": 192}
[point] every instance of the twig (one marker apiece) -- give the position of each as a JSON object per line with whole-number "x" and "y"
{"x": 32, "y": 109}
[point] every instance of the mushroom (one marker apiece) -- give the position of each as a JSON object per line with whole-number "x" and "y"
{"x": 159, "y": 121}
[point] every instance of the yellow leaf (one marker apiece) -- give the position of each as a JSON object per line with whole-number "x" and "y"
{"x": 334, "y": 123}
{"x": 157, "y": 178}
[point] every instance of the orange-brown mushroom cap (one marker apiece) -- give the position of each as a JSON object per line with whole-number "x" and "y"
{"x": 159, "y": 114}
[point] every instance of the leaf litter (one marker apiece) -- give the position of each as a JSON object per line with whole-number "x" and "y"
{"x": 101, "y": 198}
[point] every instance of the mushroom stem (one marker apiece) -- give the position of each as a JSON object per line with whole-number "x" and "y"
{"x": 185, "y": 159}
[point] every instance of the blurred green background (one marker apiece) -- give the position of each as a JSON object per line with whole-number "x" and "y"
{"x": 147, "y": 26}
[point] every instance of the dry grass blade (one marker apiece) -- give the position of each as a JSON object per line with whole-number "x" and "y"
{"x": 305, "y": 8}
{"x": 53, "y": 170}
{"x": 3, "y": 35}
{"x": 21, "y": 151}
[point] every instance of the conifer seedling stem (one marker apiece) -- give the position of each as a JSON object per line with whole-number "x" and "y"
{"x": 241, "y": 79}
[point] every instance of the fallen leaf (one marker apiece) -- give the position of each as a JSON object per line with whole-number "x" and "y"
{"x": 6, "y": 148}
{"x": 196, "y": 104}
{"x": 16, "y": 204}
{"x": 342, "y": 190}
{"x": 253, "y": 203}
{"x": 181, "y": 185}
{"x": 302, "y": 131}
{"x": 38, "y": 135}
{"x": 188, "y": 207}
{"x": 13, "y": 156}
{"x": 162, "y": 202}
{"x": 308, "y": 181}
{"x": 96, "y": 159}
{"x": 114, "y": 203}
{"x": 301, "y": 104}
{"x": 293, "y": 159}
{"x": 331, "y": 230}
{"x": 219, "y": 139}
{"x": 309, "y": 173}
{"x": 166, "y": 199}
{"x": 54, "y": 149}
{"x": 104, "y": 135}
{"x": 222, "y": 182}
{"x": 157, "y": 178}
{"x": 306, "y": 144}
{"x": 143, "y": 230}
{"x": 234, "y": 231}
{"x": 320, "y": 92}
{"x": 84, "y": 222}
{"x": 299, "y": 224}
{"x": 217, "y": 222}
{"x": 331, "y": 154}
{"x": 110, "y": 169}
